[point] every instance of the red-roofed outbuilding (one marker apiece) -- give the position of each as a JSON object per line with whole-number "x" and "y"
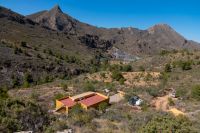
{"x": 87, "y": 100}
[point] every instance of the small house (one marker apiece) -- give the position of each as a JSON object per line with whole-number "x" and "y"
{"x": 86, "y": 100}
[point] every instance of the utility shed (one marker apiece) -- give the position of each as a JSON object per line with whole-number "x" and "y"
{"x": 87, "y": 100}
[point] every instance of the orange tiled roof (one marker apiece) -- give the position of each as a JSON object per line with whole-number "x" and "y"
{"x": 68, "y": 102}
{"x": 92, "y": 100}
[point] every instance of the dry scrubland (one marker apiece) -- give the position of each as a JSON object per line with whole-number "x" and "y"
{"x": 150, "y": 78}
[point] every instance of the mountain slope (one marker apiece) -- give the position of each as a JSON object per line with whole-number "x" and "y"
{"x": 131, "y": 40}
{"x": 28, "y": 48}
{"x": 50, "y": 44}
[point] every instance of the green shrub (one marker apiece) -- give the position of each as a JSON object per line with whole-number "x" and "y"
{"x": 181, "y": 92}
{"x": 58, "y": 96}
{"x": 127, "y": 68}
{"x": 171, "y": 102}
{"x": 3, "y": 93}
{"x": 103, "y": 106}
{"x": 186, "y": 65}
{"x": 79, "y": 117}
{"x": 64, "y": 86}
{"x": 23, "y": 44}
{"x": 141, "y": 68}
{"x": 88, "y": 86}
{"x": 168, "y": 68}
{"x": 153, "y": 91}
{"x": 28, "y": 79}
{"x": 116, "y": 75}
{"x": 17, "y": 115}
{"x": 167, "y": 124}
{"x": 196, "y": 92}
{"x": 17, "y": 50}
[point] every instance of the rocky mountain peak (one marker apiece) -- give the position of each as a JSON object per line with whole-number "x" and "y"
{"x": 159, "y": 28}
{"x": 56, "y": 9}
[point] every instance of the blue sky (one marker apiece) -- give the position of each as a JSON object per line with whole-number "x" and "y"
{"x": 182, "y": 15}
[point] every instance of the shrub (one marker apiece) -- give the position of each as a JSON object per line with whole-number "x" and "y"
{"x": 103, "y": 75}
{"x": 171, "y": 102}
{"x": 153, "y": 91}
{"x": 168, "y": 68}
{"x": 102, "y": 106}
{"x": 164, "y": 52}
{"x": 58, "y": 96}
{"x": 28, "y": 79}
{"x": 89, "y": 86}
{"x": 181, "y": 92}
{"x": 64, "y": 86}
{"x": 167, "y": 124}
{"x": 127, "y": 68}
{"x": 3, "y": 93}
{"x": 17, "y": 50}
{"x": 23, "y": 44}
{"x": 196, "y": 92}
{"x": 186, "y": 65}
{"x": 79, "y": 117}
{"x": 141, "y": 68}
{"x": 19, "y": 115}
{"x": 116, "y": 75}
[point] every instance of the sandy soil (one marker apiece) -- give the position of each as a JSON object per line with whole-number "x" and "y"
{"x": 162, "y": 103}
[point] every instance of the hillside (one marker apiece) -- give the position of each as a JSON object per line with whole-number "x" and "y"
{"x": 52, "y": 44}
{"x": 58, "y": 74}
{"x": 26, "y": 47}
{"x": 131, "y": 40}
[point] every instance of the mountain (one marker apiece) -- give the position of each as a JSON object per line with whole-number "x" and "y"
{"x": 27, "y": 48}
{"x": 131, "y": 40}
{"x": 51, "y": 44}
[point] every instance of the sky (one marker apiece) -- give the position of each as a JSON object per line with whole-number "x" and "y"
{"x": 182, "y": 15}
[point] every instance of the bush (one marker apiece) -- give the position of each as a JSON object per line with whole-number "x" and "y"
{"x": 79, "y": 117}
{"x": 168, "y": 124}
{"x": 102, "y": 106}
{"x": 153, "y": 92}
{"x": 3, "y": 93}
{"x": 89, "y": 86}
{"x": 127, "y": 68}
{"x": 59, "y": 96}
{"x": 17, "y": 50}
{"x": 116, "y": 75}
{"x": 168, "y": 68}
{"x": 181, "y": 92}
{"x": 17, "y": 115}
{"x": 196, "y": 92}
{"x": 28, "y": 79}
{"x": 171, "y": 102}
{"x": 23, "y": 44}
{"x": 64, "y": 86}
{"x": 141, "y": 68}
{"x": 186, "y": 65}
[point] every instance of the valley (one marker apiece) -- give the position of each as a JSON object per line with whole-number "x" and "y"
{"x": 49, "y": 56}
